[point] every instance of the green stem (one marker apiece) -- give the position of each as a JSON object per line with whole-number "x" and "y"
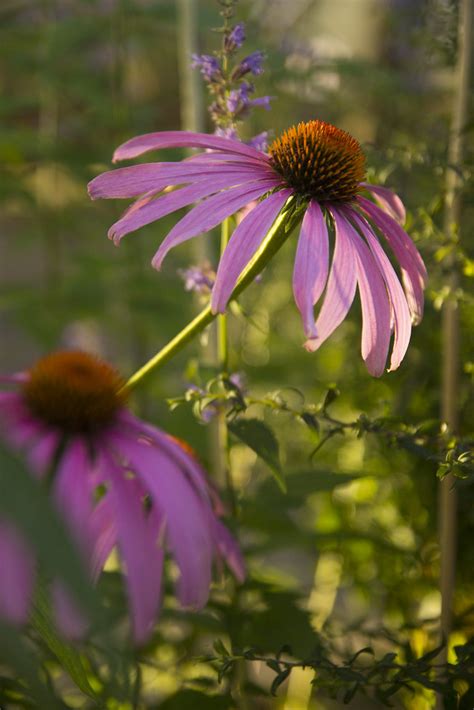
{"x": 222, "y": 336}
{"x": 278, "y": 234}
{"x": 450, "y": 325}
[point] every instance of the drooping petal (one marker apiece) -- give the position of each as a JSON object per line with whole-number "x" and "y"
{"x": 73, "y": 493}
{"x": 138, "y": 179}
{"x": 141, "y": 555}
{"x": 411, "y": 264}
{"x": 69, "y": 618}
{"x": 311, "y": 265}
{"x": 210, "y": 213}
{"x": 17, "y": 567}
{"x": 183, "y": 139}
{"x": 42, "y": 452}
{"x": 340, "y": 289}
{"x": 243, "y": 244}
{"x": 161, "y": 206}
{"x": 388, "y": 200}
{"x": 229, "y": 551}
{"x": 104, "y": 530}
{"x": 401, "y": 312}
{"x": 187, "y": 520}
{"x": 172, "y": 447}
{"x": 374, "y": 302}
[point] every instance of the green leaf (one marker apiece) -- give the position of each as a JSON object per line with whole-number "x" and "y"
{"x": 16, "y": 655}
{"x": 261, "y": 439}
{"x": 70, "y": 660}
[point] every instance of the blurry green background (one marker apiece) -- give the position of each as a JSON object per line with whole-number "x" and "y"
{"x": 78, "y": 77}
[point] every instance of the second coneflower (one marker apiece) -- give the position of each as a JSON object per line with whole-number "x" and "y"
{"x": 324, "y": 168}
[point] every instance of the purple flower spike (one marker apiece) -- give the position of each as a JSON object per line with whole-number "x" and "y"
{"x": 324, "y": 168}
{"x": 235, "y": 38}
{"x": 69, "y": 412}
{"x": 198, "y": 279}
{"x": 253, "y": 64}
{"x": 208, "y": 66}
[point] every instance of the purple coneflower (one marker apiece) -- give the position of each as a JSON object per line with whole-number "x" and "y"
{"x": 118, "y": 482}
{"x": 321, "y": 166}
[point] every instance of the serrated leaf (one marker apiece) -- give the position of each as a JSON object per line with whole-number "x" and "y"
{"x": 261, "y": 439}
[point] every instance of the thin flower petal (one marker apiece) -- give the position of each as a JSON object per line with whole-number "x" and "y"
{"x": 138, "y": 179}
{"x": 401, "y": 312}
{"x": 183, "y": 139}
{"x": 243, "y": 244}
{"x": 374, "y": 302}
{"x": 210, "y": 213}
{"x": 70, "y": 620}
{"x": 411, "y": 264}
{"x": 388, "y": 200}
{"x": 161, "y": 206}
{"x": 340, "y": 289}
{"x": 311, "y": 265}
{"x": 42, "y": 453}
{"x": 172, "y": 447}
{"x": 18, "y": 571}
{"x": 187, "y": 520}
{"x": 142, "y": 557}
{"x": 73, "y": 492}
{"x": 229, "y": 551}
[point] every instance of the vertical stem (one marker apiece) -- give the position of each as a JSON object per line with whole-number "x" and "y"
{"x": 450, "y": 317}
{"x": 225, "y": 474}
{"x": 222, "y": 335}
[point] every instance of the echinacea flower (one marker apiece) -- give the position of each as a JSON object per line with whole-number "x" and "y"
{"x": 118, "y": 482}
{"x": 323, "y": 168}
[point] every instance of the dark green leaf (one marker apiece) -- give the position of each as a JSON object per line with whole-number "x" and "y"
{"x": 261, "y": 439}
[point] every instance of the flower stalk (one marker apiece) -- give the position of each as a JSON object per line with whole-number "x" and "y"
{"x": 278, "y": 234}
{"x": 450, "y": 320}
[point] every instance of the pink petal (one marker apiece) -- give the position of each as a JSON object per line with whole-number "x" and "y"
{"x": 138, "y": 179}
{"x": 172, "y": 448}
{"x": 73, "y": 492}
{"x": 340, "y": 289}
{"x": 17, "y": 574}
{"x": 229, "y": 551}
{"x": 184, "y": 139}
{"x": 411, "y": 264}
{"x": 142, "y": 557}
{"x": 210, "y": 213}
{"x": 401, "y": 312}
{"x": 170, "y": 202}
{"x": 42, "y": 453}
{"x": 311, "y": 265}
{"x": 187, "y": 519}
{"x": 70, "y": 620}
{"x": 388, "y": 201}
{"x": 374, "y": 302}
{"x": 243, "y": 244}
{"x": 105, "y": 536}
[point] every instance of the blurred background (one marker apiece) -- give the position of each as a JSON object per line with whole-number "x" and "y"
{"x": 350, "y": 553}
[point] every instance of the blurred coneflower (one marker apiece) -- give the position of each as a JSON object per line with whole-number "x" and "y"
{"x": 118, "y": 482}
{"x": 321, "y": 167}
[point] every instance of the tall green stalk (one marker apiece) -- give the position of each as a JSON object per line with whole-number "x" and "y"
{"x": 450, "y": 319}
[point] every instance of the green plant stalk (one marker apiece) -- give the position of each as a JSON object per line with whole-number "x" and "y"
{"x": 278, "y": 234}
{"x": 450, "y": 324}
{"x": 224, "y": 472}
